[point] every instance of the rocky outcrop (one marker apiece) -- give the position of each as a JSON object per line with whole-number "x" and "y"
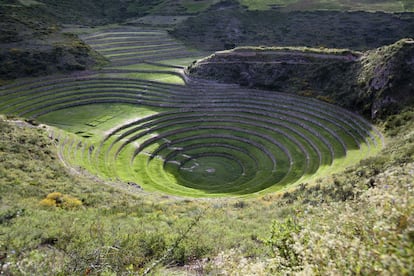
{"x": 374, "y": 83}
{"x": 387, "y": 76}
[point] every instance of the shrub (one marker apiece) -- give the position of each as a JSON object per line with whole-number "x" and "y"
{"x": 48, "y": 202}
{"x": 281, "y": 241}
{"x": 56, "y": 196}
{"x": 57, "y": 199}
{"x": 71, "y": 202}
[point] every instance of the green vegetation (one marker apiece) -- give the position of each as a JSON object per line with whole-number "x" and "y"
{"x": 282, "y": 241}
{"x": 265, "y": 5}
{"x": 92, "y": 120}
{"x": 288, "y": 185}
{"x": 125, "y": 230}
{"x": 30, "y": 2}
{"x": 125, "y": 46}
{"x": 199, "y": 140}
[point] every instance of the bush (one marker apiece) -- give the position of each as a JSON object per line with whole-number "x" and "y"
{"x": 57, "y": 199}
{"x": 281, "y": 242}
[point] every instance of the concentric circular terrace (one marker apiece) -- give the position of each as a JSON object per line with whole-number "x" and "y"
{"x": 198, "y": 138}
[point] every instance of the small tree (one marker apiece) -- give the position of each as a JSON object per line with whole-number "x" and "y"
{"x": 281, "y": 241}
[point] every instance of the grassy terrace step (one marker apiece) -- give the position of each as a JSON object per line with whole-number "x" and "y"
{"x": 183, "y": 94}
{"x": 172, "y": 142}
{"x": 113, "y": 44}
{"x": 144, "y": 52}
{"x": 134, "y": 42}
{"x": 158, "y": 57}
{"x": 125, "y": 46}
{"x": 146, "y": 124}
{"x": 141, "y": 96}
{"x": 139, "y": 48}
{"x": 257, "y": 123}
{"x": 275, "y": 118}
{"x": 33, "y": 87}
{"x": 116, "y": 35}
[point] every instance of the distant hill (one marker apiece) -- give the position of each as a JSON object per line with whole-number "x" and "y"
{"x": 225, "y": 28}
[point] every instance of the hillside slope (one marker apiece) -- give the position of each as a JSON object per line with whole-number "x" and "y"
{"x": 54, "y": 222}
{"x": 32, "y": 43}
{"x": 374, "y": 83}
{"x": 225, "y": 27}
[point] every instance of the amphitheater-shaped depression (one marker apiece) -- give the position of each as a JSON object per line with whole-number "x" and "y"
{"x": 236, "y": 141}
{"x": 200, "y": 139}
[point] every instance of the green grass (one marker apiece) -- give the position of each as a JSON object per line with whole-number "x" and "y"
{"x": 170, "y": 182}
{"x": 195, "y": 6}
{"x": 96, "y": 119}
{"x": 110, "y": 159}
{"x": 265, "y": 5}
{"x": 132, "y": 47}
{"x": 261, "y": 144}
{"x": 182, "y": 61}
{"x": 166, "y": 78}
{"x": 30, "y": 3}
{"x": 141, "y": 46}
{"x": 136, "y": 51}
{"x": 354, "y": 217}
{"x": 120, "y": 230}
{"x": 144, "y": 66}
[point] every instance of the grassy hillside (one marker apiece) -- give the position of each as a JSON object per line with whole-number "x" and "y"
{"x": 69, "y": 203}
{"x": 56, "y": 222}
{"x": 59, "y": 220}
